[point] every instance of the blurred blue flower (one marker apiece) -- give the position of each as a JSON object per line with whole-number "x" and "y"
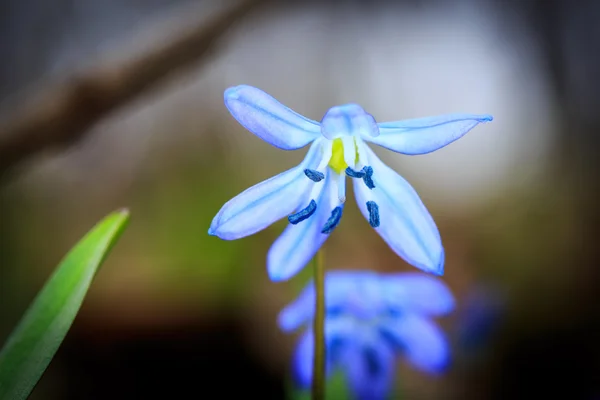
{"x": 312, "y": 195}
{"x": 481, "y": 315}
{"x": 370, "y": 318}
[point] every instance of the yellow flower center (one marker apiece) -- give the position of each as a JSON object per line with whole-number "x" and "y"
{"x": 337, "y": 162}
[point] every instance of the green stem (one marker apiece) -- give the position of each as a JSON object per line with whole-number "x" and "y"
{"x": 318, "y": 381}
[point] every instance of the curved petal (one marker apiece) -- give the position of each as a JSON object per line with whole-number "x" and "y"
{"x": 270, "y": 120}
{"x": 364, "y": 294}
{"x": 342, "y": 290}
{"x": 348, "y": 120}
{"x": 370, "y": 369}
{"x": 422, "y": 341}
{"x": 264, "y": 203}
{"x": 303, "y": 359}
{"x": 416, "y": 292}
{"x": 424, "y": 135}
{"x": 299, "y": 312}
{"x": 405, "y": 223}
{"x": 299, "y": 243}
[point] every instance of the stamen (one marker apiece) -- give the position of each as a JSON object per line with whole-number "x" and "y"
{"x": 313, "y": 175}
{"x": 333, "y": 220}
{"x": 368, "y": 178}
{"x": 354, "y": 174}
{"x": 362, "y": 158}
{"x": 341, "y": 186}
{"x": 303, "y": 214}
{"x": 373, "y": 210}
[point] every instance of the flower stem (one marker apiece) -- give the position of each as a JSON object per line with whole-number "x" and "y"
{"x": 318, "y": 381}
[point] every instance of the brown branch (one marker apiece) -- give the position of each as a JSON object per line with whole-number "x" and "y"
{"x": 61, "y": 115}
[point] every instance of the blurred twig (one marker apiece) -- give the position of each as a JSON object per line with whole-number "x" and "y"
{"x": 63, "y": 114}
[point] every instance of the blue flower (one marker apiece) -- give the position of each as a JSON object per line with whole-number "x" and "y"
{"x": 482, "y": 313}
{"x": 371, "y": 318}
{"x": 312, "y": 195}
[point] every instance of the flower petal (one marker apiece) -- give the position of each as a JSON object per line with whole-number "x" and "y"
{"x": 299, "y": 243}
{"x": 264, "y": 203}
{"x": 369, "y": 369}
{"x": 424, "y": 135}
{"x": 348, "y": 120}
{"x": 422, "y": 341}
{"x": 416, "y": 292}
{"x": 405, "y": 223}
{"x": 341, "y": 287}
{"x": 337, "y": 336}
{"x": 365, "y": 293}
{"x": 270, "y": 120}
{"x": 303, "y": 359}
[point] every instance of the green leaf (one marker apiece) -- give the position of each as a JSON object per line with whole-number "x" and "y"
{"x": 33, "y": 343}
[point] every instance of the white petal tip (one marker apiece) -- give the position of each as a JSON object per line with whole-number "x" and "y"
{"x": 437, "y": 271}
{"x": 277, "y": 272}
{"x": 436, "y": 267}
{"x": 439, "y": 266}
{"x": 223, "y": 236}
{"x": 232, "y": 93}
{"x": 486, "y": 118}
{"x": 278, "y": 277}
{"x": 285, "y": 323}
{"x": 212, "y": 232}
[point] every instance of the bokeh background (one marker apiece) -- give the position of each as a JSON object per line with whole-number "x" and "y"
{"x": 175, "y": 313}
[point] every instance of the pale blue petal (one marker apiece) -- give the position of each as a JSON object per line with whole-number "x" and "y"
{"x": 424, "y": 135}
{"x": 299, "y": 243}
{"x": 270, "y": 120}
{"x": 421, "y": 341}
{"x": 416, "y": 292}
{"x": 369, "y": 369}
{"x": 338, "y": 335}
{"x": 362, "y": 295}
{"x": 348, "y": 120}
{"x": 267, "y": 202}
{"x": 405, "y": 223}
{"x": 299, "y": 312}
{"x": 303, "y": 359}
{"x": 343, "y": 291}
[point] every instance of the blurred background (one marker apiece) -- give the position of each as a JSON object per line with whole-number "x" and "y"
{"x": 175, "y": 313}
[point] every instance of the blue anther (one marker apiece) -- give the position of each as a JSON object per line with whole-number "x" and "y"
{"x": 303, "y": 214}
{"x": 354, "y": 174}
{"x": 313, "y": 175}
{"x": 373, "y": 210}
{"x": 368, "y": 178}
{"x": 333, "y": 221}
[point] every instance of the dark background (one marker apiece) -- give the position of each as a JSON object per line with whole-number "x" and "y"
{"x": 175, "y": 313}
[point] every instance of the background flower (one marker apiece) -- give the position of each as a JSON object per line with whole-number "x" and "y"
{"x": 371, "y": 318}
